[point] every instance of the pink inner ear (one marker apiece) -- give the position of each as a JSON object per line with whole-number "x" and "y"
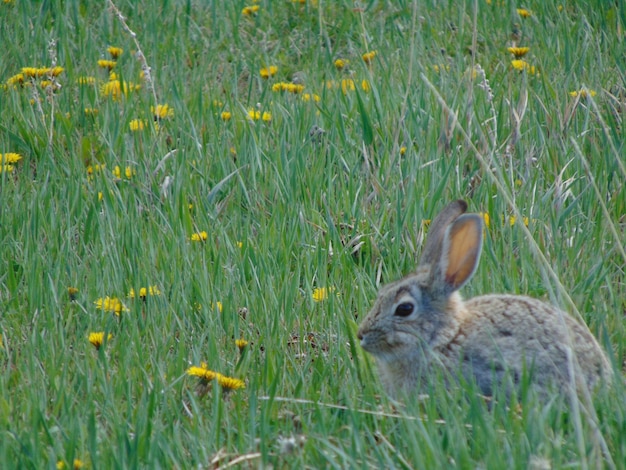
{"x": 463, "y": 250}
{"x": 464, "y": 271}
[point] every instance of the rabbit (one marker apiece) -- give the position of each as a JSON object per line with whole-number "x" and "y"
{"x": 420, "y": 325}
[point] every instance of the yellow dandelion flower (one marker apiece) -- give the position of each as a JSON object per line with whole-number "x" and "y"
{"x": 10, "y": 157}
{"x": 97, "y": 338}
{"x": 77, "y": 464}
{"x": 128, "y": 172}
{"x": 116, "y": 89}
{"x": 582, "y": 93}
{"x": 341, "y": 63}
{"x": 201, "y": 372}
{"x": 518, "y": 51}
{"x": 199, "y": 236}
{"x": 16, "y": 80}
{"x": 30, "y": 72}
{"x": 254, "y": 114}
{"x": 311, "y": 97}
{"x": 162, "y": 111}
{"x": 321, "y": 293}
{"x": 522, "y": 65}
{"x": 268, "y": 72}
{"x": 294, "y": 88}
{"x": 100, "y": 196}
{"x": 137, "y": 125}
{"x": 226, "y": 116}
{"x": 241, "y": 344}
{"x": 402, "y": 150}
{"x": 486, "y": 219}
{"x": 513, "y": 219}
{"x": 250, "y": 10}
{"x": 115, "y": 51}
{"x": 86, "y": 80}
{"x": 524, "y": 13}
{"x": 151, "y": 290}
{"x": 368, "y": 57}
{"x": 111, "y": 304}
{"x": 107, "y": 64}
{"x": 365, "y": 85}
{"x": 347, "y": 84}
{"x": 230, "y": 383}
{"x": 144, "y": 292}
{"x": 217, "y": 305}
{"x": 206, "y": 375}
{"x": 38, "y": 72}
{"x": 72, "y": 292}
{"x": 54, "y": 71}
{"x": 6, "y": 168}
{"x": 112, "y": 76}
{"x": 519, "y": 64}
{"x": 95, "y": 169}
{"x": 91, "y": 111}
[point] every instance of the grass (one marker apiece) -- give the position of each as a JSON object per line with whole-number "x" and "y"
{"x": 442, "y": 115}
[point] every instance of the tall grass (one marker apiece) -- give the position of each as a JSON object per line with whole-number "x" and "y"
{"x": 437, "y": 114}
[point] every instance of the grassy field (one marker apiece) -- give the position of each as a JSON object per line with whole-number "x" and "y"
{"x": 195, "y": 173}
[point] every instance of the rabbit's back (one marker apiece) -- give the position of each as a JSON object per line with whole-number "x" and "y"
{"x": 506, "y": 336}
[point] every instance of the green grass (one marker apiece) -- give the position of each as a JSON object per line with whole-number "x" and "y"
{"x": 281, "y": 212}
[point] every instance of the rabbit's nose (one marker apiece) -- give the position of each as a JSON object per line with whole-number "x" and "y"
{"x": 359, "y": 335}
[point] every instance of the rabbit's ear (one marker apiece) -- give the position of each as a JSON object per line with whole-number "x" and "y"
{"x": 460, "y": 251}
{"x": 432, "y": 248}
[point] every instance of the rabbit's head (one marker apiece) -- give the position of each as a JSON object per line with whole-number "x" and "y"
{"x": 421, "y": 311}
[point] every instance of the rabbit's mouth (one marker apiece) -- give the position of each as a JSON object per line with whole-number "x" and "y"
{"x": 370, "y": 344}
{"x": 385, "y": 345}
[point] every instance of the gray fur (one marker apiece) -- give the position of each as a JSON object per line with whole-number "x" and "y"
{"x": 494, "y": 340}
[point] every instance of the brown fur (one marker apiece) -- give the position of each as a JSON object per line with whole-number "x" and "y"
{"x": 493, "y": 339}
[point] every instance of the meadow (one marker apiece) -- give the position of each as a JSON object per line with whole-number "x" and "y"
{"x": 200, "y": 199}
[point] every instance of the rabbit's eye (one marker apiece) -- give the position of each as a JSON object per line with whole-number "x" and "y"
{"x": 404, "y": 310}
